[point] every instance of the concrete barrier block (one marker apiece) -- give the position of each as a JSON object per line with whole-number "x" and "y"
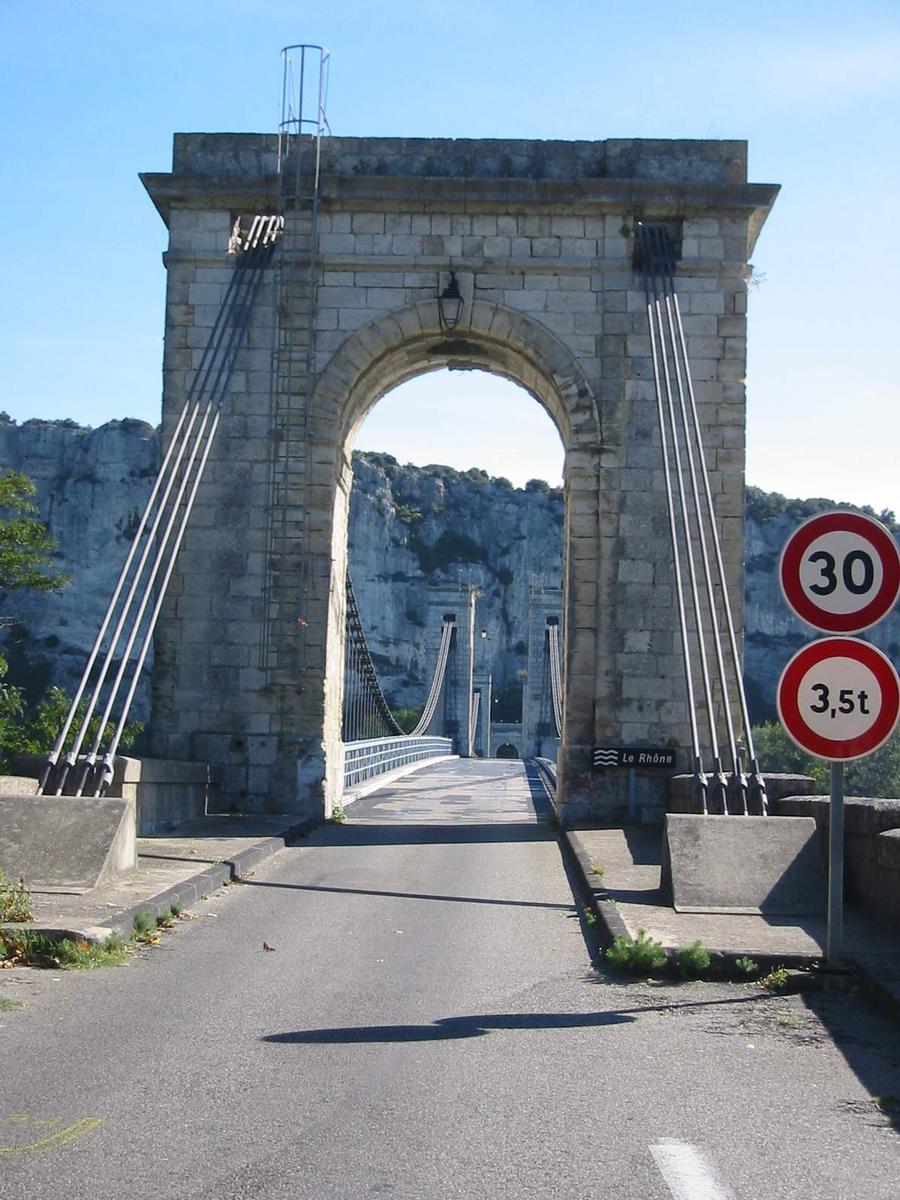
{"x": 66, "y": 843}
{"x": 18, "y": 785}
{"x": 744, "y": 865}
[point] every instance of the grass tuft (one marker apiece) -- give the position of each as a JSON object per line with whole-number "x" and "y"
{"x": 29, "y": 948}
{"x": 143, "y": 924}
{"x": 15, "y": 900}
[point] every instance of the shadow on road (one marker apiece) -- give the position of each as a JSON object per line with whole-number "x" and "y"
{"x": 408, "y": 833}
{"x": 351, "y": 891}
{"x": 477, "y": 1026}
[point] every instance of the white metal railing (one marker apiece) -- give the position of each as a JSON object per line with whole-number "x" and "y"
{"x": 363, "y": 760}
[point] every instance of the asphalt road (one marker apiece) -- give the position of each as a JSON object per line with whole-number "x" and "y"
{"x": 429, "y": 1024}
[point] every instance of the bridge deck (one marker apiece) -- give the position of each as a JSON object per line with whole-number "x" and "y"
{"x": 462, "y": 792}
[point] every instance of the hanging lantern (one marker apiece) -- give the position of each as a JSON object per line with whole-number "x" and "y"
{"x": 450, "y": 304}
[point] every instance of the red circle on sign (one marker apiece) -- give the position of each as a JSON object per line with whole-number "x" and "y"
{"x": 805, "y": 606}
{"x": 799, "y": 729}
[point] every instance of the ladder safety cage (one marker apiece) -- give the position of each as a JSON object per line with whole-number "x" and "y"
{"x": 302, "y": 126}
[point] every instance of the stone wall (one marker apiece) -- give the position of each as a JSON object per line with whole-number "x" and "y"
{"x": 871, "y": 847}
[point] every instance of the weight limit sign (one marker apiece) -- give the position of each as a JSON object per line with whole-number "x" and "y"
{"x": 839, "y": 698}
{"x": 840, "y": 572}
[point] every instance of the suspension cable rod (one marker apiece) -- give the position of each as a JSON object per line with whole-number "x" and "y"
{"x": 667, "y": 287}
{"x": 164, "y": 470}
{"x": 437, "y": 681}
{"x": 699, "y": 783}
{"x": 204, "y": 436}
{"x": 106, "y": 769}
{"x": 555, "y": 676}
{"x": 757, "y": 783}
{"x": 203, "y": 388}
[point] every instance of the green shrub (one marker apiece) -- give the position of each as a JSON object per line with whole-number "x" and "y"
{"x": 776, "y": 980}
{"x": 642, "y": 956}
{"x": 692, "y": 961}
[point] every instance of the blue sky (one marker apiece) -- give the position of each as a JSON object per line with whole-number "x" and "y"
{"x": 92, "y": 91}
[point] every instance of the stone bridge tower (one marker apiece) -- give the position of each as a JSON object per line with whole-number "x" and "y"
{"x": 539, "y": 234}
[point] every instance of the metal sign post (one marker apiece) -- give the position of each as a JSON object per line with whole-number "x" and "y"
{"x": 835, "y": 937}
{"x": 838, "y": 698}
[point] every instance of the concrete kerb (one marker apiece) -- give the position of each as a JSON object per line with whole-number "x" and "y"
{"x": 611, "y": 924}
{"x": 185, "y": 893}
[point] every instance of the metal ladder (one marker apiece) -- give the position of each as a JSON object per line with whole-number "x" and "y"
{"x": 283, "y": 647}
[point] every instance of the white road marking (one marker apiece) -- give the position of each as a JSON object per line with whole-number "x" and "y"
{"x": 688, "y": 1176}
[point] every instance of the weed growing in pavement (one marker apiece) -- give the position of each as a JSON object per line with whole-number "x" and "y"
{"x": 7, "y": 1005}
{"x": 776, "y": 980}
{"x": 640, "y": 957}
{"x": 176, "y": 908}
{"x": 28, "y": 948}
{"x": 143, "y": 924}
{"x": 166, "y": 919}
{"x": 15, "y": 900}
{"x": 338, "y": 815}
{"x": 553, "y": 821}
{"x": 692, "y": 961}
{"x": 747, "y": 966}
{"x": 590, "y": 918}
{"x": 598, "y": 871}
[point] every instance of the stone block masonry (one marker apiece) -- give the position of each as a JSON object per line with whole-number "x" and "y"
{"x": 539, "y": 235}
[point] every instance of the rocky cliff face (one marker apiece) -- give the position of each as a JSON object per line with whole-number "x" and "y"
{"x": 92, "y": 487}
{"x": 409, "y": 526}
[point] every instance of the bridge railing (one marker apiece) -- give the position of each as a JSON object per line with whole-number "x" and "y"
{"x": 363, "y": 760}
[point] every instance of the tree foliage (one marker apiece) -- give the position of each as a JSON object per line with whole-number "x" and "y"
{"x": 877, "y": 776}
{"x": 33, "y": 730}
{"x": 26, "y": 546}
{"x": 26, "y": 561}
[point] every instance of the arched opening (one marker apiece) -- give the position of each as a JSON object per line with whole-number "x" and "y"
{"x": 457, "y": 480}
{"x": 507, "y": 750}
{"x": 387, "y": 353}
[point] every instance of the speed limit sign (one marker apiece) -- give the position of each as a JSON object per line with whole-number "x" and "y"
{"x": 840, "y": 572}
{"x": 839, "y": 698}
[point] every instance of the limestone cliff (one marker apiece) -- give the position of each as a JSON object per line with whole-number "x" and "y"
{"x": 409, "y": 525}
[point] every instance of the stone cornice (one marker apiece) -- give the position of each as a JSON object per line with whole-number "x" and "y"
{"x": 414, "y": 194}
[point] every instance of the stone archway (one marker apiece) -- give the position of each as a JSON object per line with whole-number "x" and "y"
{"x": 398, "y": 346}
{"x": 539, "y": 234}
